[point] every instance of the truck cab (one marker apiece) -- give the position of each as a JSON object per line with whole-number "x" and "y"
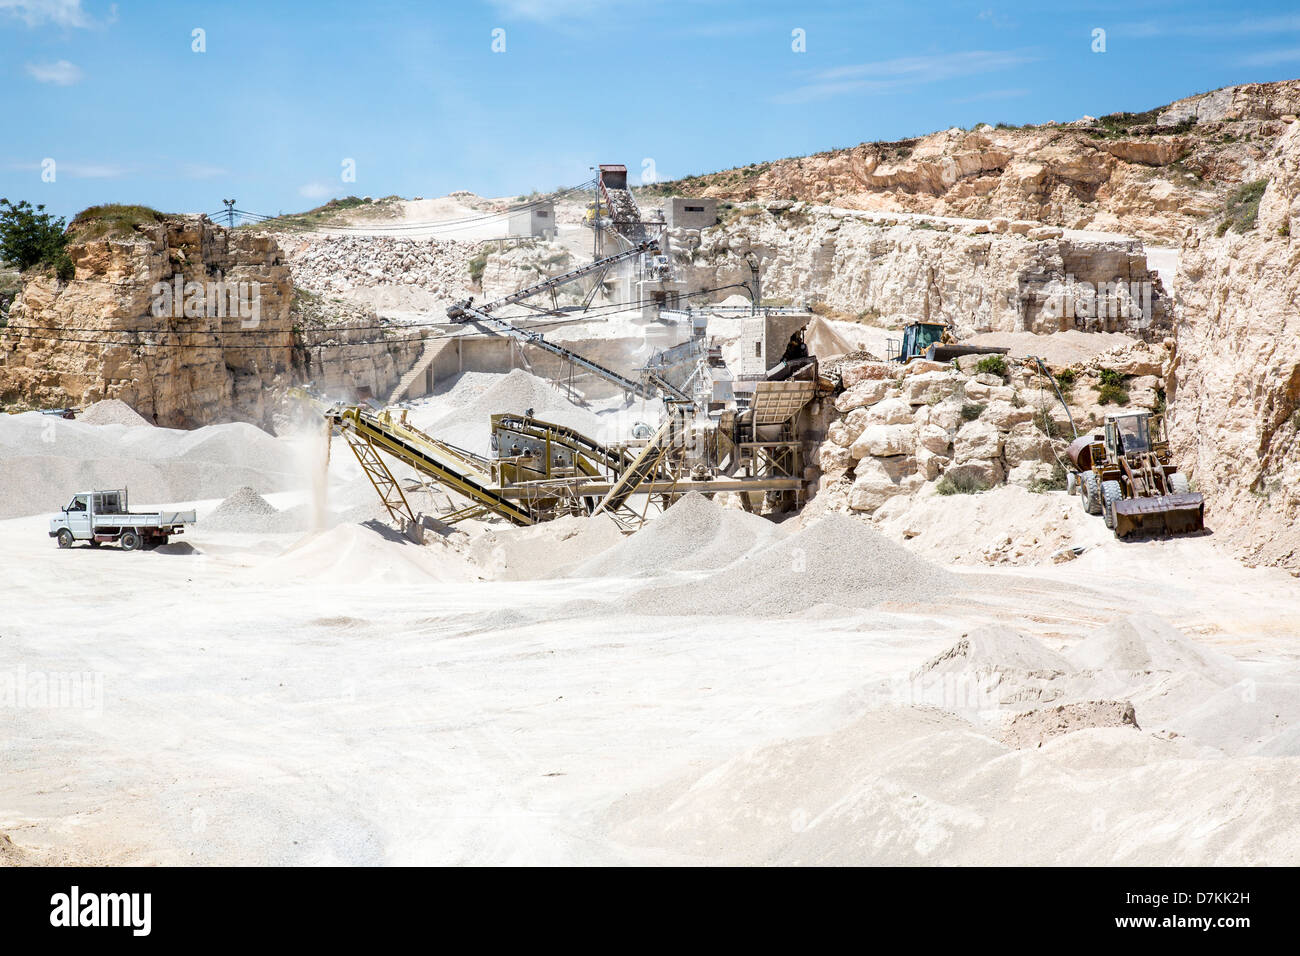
{"x": 98, "y": 517}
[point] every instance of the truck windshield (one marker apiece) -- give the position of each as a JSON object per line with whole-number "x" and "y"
{"x": 1133, "y": 433}
{"x": 927, "y": 335}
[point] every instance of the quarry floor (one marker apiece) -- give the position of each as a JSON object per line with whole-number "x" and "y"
{"x": 347, "y": 697}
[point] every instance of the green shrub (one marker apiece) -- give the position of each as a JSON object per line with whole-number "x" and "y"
{"x": 113, "y": 219}
{"x": 1242, "y": 207}
{"x": 479, "y": 262}
{"x": 970, "y": 411}
{"x": 1108, "y": 376}
{"x": 1112, "y": 395}
{"x": 1054, "y": 482}
{"x": 992, "y": 365}
{"x": 961, "y": 483}
{"x": 30, "y": 236}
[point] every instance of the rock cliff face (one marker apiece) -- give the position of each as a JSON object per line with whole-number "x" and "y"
{"x": 1235, "y": 388}
{"x": 978, "y": 281}
{"x": 1147, "y": 175}
{"x": 97, "y": 335}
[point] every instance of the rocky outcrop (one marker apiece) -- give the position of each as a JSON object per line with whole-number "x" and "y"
{"x": 1235, "y": 389}
{"x": 97, "y": 336}
{"x": 977, "y": 281}
{"x": 1151, "y": 176}
{"x": 901, "y": 428}
{"x": 331, "y": 264}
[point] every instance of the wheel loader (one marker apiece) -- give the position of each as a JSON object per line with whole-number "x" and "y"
{"x": 1125, "y": 474}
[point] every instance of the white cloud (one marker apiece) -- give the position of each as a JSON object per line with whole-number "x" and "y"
{"x": 314, "y": 191}
{"x": 904, "y": 71}
{"x": 35, "y": 13}
{"x": 543, "y": 10}
{"x": 61, "y": 73}
{"x": 91, "y": 170}
{"x": 1271, "y": 57}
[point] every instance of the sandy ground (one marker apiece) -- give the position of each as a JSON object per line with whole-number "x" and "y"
{"x": 349, "y": 697}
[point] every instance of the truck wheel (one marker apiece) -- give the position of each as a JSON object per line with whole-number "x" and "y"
{"x": 1178, "y": 484}
{"x": 1090, "y": 493}
{"x": 65, "y": 538}
{"x": 130, "y": 540}
{"x": 1071, "y": 483}
{"x": 1111, "y": 492}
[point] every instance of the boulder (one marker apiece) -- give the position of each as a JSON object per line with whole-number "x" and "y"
{"x": 986, "y": 471}
{"x": 1026, "y": 443}
{"x": 977, "y": 440}
{"x": 833, "y": 458}
{"x": 891, "y": 411}
{"x": 867, "y": 370}
{"x": 929, "y": 387}
{"x": 866, "y": 392}
{"x": 879, "y": 479}
{"x": 1004, "y": 414}
{"x": 947, "y": 415}
{"x": 1046, "y": 232}
{"x": 884, "y": 441}
{"x": 933, "y": 439}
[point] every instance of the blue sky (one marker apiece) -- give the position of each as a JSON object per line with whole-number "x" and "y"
{"x": 415, "y": 95}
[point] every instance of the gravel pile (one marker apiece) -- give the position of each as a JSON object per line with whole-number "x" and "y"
{"x": 112, "y": 411}
{"x": 327, "y": 264}
{"x": 44, "y": 461}
{"x": 694, "y": 534}
{"x": 837, "y": 561}
{"x": 470, "y": 426}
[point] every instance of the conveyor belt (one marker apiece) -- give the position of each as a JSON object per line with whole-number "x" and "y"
{"x": 456, "y": 469}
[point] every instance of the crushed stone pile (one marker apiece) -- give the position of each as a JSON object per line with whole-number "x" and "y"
{"x": 112, "y": 411}
{"x": 247, "y": 511}
{"x": 549, "y": 549}
{"x": 1032, "y": 727}
{"x": 837, "y": 561}
{"x": 696, "y": 533}
{"x": 44, "y": 461}
{"x": 327, "y": 264}
{"x": 469, "y": 426}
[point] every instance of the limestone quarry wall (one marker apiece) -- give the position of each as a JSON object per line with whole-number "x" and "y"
{"x": 96, "y": 337}
{"x": 977, "y": 281}
{"x": 1235, "y": 388}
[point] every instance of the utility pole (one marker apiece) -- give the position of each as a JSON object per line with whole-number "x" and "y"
{"x": 230, "y": 212}
{"x": 756, "y": 297}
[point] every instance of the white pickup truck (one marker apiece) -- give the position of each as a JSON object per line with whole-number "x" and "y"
{"x": 99, "y": 516}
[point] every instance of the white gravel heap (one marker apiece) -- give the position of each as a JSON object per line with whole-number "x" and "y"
{"x": 112, "y": 411}
{"x": 694, "y": 534}
{"x": 323, "y": 264}
{"x": 838, "y": 561}
{"x": 470, "y": 426}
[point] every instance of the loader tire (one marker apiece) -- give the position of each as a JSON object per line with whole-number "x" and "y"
{"x": 1111, "y": 492}
{"x": 129, "y": 541}
{"x": 1071, "y": 483}
{"x": 1090, "y": 493}
{"x": 65, "y": 538}
{"x": 1178, "y": 484}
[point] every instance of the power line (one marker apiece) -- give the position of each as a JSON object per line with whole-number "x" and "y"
{"x": 563, "y": 319}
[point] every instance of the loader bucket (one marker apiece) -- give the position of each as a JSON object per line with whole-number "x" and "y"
{"x": 1164, "y": 514}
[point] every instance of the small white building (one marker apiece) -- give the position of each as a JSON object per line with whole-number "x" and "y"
{"x": 533, "y": 219}
{"x": 683, "y": 213}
